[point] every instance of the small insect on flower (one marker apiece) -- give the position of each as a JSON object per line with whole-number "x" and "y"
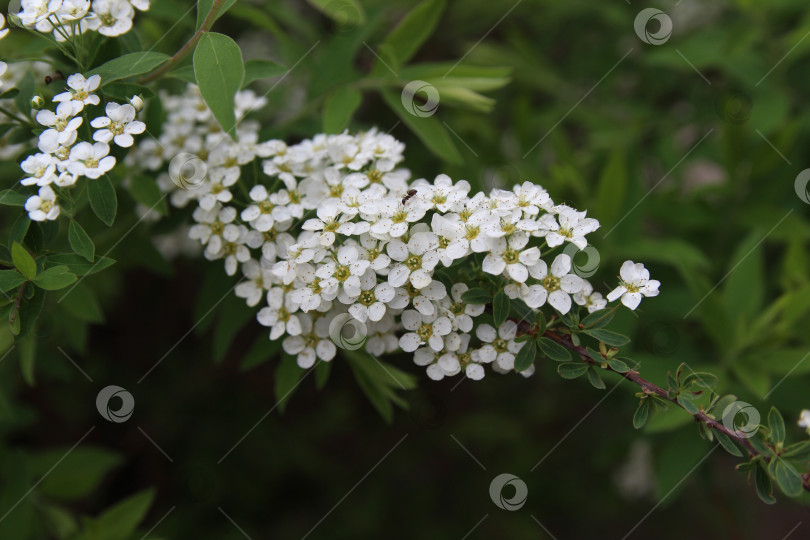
{"x": 407, "y": 197}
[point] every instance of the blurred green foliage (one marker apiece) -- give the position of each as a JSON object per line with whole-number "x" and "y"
{"x": 686, "y": 152}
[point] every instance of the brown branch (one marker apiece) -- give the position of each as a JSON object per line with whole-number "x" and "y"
{"x": 651, "y": 388}
{"x": 184, "y": 51}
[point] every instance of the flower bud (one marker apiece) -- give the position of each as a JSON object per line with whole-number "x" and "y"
{"x": 37, "y": 102}
{"x": 136, "y": 102}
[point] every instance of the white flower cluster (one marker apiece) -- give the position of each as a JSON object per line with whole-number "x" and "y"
{"x": 66, "y": 18}
{"x": 3, "y": 33}
{"x": 333, "y": 227}
{"x": 63, "y": 158}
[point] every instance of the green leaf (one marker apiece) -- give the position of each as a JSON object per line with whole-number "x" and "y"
{"x": 500, "y": 308}
{"x": 121, "y": 521}
{"x": 128, "y": 65}
{"x": 261, "y": 69}
{"x": 598, "y": 319}
{"x": 788, "y": 479}
{"x": 82, "y": 304}
{"x": 30, "y": 310}
{"x": 525, "y": 357}
{"x": 572, "y": 370}
{"x": 608, "y": 337}
{"x": 777, "y": 425}
{"x": 595, "y": 379}
{"x": 12, "y": 198}
{"x": 763, "y": 484}
{"x": 476, "y": 296}
{"x": 78, "y": 265}
{"x": 145, "y": 190}
{"x": 554, "y": 350}
{"x": 701, "y": 379}
{"x": 339, "y": 108}
{"x": 19, "y": 228}
{"x": 799, "y": 451}
{"x": 744, "y": 291}
{"x": 233, "y": 316}
{"x": 102, "y": 199}
{"x": 55, "y": 278}
{"x": 688, "y": 404}
{"x": 618, "y": 366}
{"x": 726, "y": 442}
{"x": 204, "y": 7}
{"x": 80, "y": 241}
{"x": 10, "y": 279}
{"x": 288, "y": 374}
{"x": 23, "y": 261}
{"x": 344, "y": 12}
{"x": 641, "y": 414}
{"x": 322, "y": 371}
{"x": 78, "y": 474}
{"x": 260, "y": 352}
{"x": 414, "y": 29}
{"x": 520, "y": 310}
{"x": 428, "y": 129}
{"x": 219, "y": 70}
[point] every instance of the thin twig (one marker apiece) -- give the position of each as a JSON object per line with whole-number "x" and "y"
{"x": 184, "y": 51}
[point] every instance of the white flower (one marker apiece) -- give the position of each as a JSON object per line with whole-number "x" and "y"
{"x": 370, "y": 303}
{"x": 804, "y": 420}
{"x": 137, "y": 103}
{"x": 507, "y": 255}
{"x": 81, "y": 92}
{"x": 313, "y": 292}
{"x": 263, "y": 214}
{"x": 43, "y": 206}
{"x": 3, "y": 32}
{"x": 330, "y": 222}
{"x": 467, "y": 230}
{"x": 40, "y": 168}
{"x": 417, "y": 260}
{"x": 586, "y": 297}
{"x": 635, "y": 283}
{"x": 118, "y": 126}
{"x": 111, "y": 17}
{"x": 90, "y": 160}
{"x": 278, "y": 315}
{"x": 253, "y": 287}
{"x": 460, "y": 313}
{"x": 343, "y": 271}
{"x": 72, "y": 10}
{"x": 36, "y": 12}
{"x": 573, "y": 228}
{"x": 62, "y": 124}
{"x": 428, "y": 329}
{"x": 313, "y": 343}
{"x": 554, "y": 286}
{"x": 499, "y": 346}
{"x": 143, "y": 5}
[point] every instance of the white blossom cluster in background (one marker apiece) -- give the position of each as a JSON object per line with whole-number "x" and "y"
{"x": 62, "y": 157}
{"x": 331, "y": 226}
{"x": 804, "y": 420}
{"x": 66, "y": 18}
